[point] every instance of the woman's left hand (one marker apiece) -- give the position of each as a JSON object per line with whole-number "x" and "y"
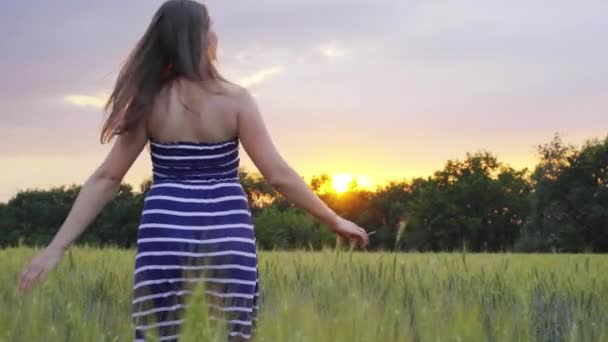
{"x": 39, "y": 267}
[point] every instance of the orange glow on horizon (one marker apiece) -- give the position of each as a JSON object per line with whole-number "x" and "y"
{"x": 341, "y": 182}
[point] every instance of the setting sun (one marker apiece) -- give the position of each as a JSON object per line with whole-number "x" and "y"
{"x": 341, "y": 182}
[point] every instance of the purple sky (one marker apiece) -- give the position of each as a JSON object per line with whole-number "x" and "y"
{"x": 384, "y": 89}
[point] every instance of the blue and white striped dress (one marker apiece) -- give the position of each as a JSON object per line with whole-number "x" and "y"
{"x": 196, "y": 226}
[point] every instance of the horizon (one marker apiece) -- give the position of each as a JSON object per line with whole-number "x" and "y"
{"x": 338, "y": 183}
{"x": 454, "y": 79}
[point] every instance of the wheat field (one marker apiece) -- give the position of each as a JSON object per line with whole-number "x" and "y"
{"x": 333, "y": 295}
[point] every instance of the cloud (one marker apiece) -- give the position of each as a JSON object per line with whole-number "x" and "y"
{"x": 332, "y": 51}
{"x": 99, "y": 100}
{"x": 260, "y": 76}
{"x": 85, "y": 100}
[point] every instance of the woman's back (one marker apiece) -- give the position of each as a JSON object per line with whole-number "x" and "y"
{"x": 188, "y": 111}
{"x": 196, "y": 223}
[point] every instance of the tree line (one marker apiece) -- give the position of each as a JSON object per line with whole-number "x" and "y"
{"x": 478, "y": 203}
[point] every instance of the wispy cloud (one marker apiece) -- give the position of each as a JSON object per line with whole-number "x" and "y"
{"x": 260, "y": 76}
{"x": 97, "y": 101}
{"x": 332, "y": 51}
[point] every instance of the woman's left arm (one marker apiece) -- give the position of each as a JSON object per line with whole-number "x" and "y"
{"x": 96, "y": 192}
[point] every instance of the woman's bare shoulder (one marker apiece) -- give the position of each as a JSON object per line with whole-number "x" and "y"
{"x": 232, "y": 89}
{"x": 240, "y": 95}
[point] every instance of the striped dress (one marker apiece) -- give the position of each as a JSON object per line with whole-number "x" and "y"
{"x": 196, "y": 226}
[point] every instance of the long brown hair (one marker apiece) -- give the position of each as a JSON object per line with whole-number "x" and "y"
{"x": 174, "y": 45}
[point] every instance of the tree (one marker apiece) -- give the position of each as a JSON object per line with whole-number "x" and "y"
{"x": 569, "y": 205}
{"x": 478, "y": 202}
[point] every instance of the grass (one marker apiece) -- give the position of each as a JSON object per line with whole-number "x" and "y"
{"x": 335, "y": 296}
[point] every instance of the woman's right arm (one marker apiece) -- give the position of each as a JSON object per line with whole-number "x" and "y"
{"x": 96, "y": 192}
{"x": 259, "y": 146}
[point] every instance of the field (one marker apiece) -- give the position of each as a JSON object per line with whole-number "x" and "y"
{"x": 335, "y": 295}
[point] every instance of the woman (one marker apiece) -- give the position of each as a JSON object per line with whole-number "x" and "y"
{"x": 196, "y": 224}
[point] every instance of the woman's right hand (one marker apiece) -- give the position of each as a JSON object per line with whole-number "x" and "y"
{"x": 348, "y": 230}
{"x": 39, "y": 267}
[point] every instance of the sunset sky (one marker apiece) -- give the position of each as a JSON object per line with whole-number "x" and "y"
{"x": 384, "y": 89}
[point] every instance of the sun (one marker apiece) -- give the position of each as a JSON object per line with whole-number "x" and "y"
{"x": 341, "y": 181}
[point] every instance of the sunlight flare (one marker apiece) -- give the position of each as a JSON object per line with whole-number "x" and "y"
{"x": 342, "y": 182}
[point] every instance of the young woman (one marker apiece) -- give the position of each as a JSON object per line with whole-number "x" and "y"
{"x": 196, "y": 224}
